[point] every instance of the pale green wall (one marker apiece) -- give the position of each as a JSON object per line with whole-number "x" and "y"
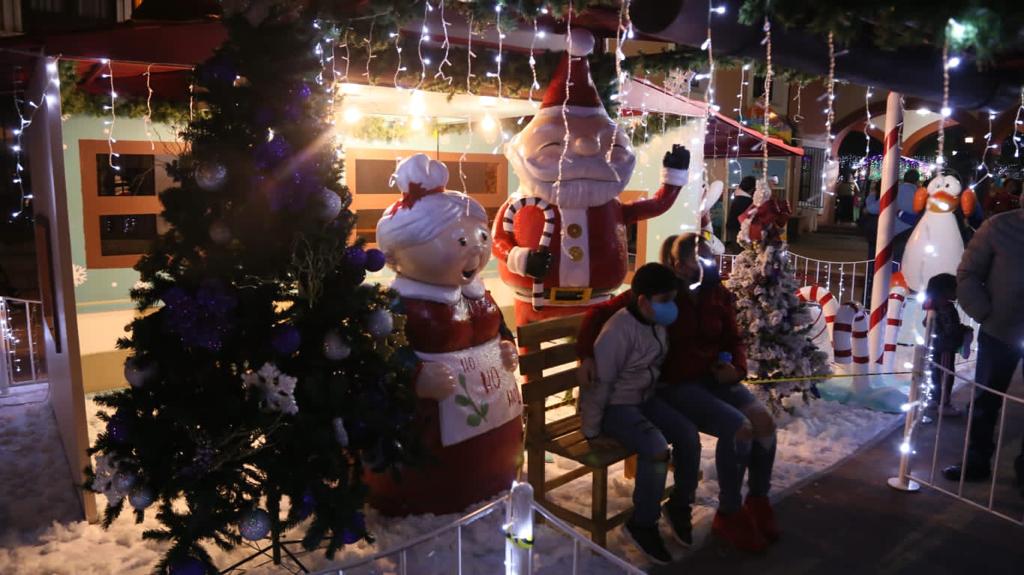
{"x": 106, "y": 289}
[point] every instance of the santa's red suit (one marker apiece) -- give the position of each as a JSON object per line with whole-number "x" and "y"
{"x": 443, "y": 320}
{"x": 589, "y": 252}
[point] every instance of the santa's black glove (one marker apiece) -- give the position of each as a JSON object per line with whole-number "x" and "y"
{"x": 677, "y": 159}
{"x": 538, "y": 262}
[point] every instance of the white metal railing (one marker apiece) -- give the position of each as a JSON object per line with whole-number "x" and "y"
{"x": 22, "y": 356}
{"x": 847, "y": 281}
{"x": 919, "y": 398}
{"x": 518, "y": 552}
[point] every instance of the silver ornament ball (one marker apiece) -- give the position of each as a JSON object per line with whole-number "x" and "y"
{"x": 335, "y": 347}
{"x": 211, "y": 176}
{"x": 329, "y": 204}
{"x": 135, "y": 374}
{"x": 254, "y": 525}
{"x": 141, "y": 497}
{"x": 380, "y": 323}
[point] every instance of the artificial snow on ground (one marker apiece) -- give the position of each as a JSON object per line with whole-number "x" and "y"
{"x": 41, "y": 531}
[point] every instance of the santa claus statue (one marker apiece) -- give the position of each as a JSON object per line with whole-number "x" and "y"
{"x": 561, "y": 238}
{"x": 438, "y": 241}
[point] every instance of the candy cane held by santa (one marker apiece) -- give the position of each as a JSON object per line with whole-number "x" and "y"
{"x": 886, "y": 228}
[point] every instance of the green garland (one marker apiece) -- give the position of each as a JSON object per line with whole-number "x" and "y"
{"x": 75, "y": 101}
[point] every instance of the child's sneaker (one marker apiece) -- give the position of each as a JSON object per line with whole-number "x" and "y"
{"x": 679, "y": 519}
{"x": 648, "y": 539}
{"x": 738, "y": 529}
{"x": 760, "y": 510}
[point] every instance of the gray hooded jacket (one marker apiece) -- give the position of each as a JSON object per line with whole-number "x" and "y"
{"x": 627, "y": 354}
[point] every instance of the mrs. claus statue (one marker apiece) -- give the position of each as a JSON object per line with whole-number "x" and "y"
{"x": 561, "y": 238}
{"x": 438, "y": 241}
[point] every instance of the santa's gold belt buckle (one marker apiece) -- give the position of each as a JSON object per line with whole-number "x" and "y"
{"x": 570, "y": 295}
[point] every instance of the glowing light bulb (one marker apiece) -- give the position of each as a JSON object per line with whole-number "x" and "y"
{"x": 352, "y": 115}
{"x": 947, "y": 112}
{"x": 923, "y": 111}
{"x": 953, "y": 62}
{"x": 904, "y": 447}
{"x": 719, "y": 9}
{"x": 488, "y": 123}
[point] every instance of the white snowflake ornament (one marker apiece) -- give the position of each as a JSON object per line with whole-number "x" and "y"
{"x": 278, "y": 389}
{"x": 79, "y": 274}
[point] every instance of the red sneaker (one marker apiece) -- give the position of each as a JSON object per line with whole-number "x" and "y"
{"x": 738, "y": 529}
{"x": 760, "y": 510}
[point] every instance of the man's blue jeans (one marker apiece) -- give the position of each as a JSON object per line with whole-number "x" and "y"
{"x": 716, "y": 410}
{"x": 648, "y": 429}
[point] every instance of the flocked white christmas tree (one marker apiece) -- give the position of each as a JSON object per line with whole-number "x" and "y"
{"x": 776, "y": 322}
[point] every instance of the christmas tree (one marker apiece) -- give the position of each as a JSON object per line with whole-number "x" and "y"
{"x": 265, "y": 375}
{"x": 765, "y": 285}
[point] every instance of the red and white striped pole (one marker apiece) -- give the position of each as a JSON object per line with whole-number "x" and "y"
{"x": 886, "y": 228}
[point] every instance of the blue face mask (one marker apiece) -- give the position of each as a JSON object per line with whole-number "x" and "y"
{"x": 665, "y": 312}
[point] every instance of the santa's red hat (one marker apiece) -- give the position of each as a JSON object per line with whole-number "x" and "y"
{"x": 573, "y": 76}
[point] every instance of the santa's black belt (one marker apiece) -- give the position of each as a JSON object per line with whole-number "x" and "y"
{"x": 570, "y": 295}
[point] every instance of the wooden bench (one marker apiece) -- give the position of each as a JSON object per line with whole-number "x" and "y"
{"x": 562, "y": 436}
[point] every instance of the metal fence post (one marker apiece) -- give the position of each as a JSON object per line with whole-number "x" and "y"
{"x": 519, "y": 529}
{"x": 903, "y": 481}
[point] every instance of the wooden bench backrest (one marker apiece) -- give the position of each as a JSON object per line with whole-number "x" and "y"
{"x": 535, "y": 360}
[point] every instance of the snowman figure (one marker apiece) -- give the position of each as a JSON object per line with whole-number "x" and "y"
{"x": 935, "y": 247}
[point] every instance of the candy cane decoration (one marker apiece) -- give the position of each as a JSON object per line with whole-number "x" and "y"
{"x": 842, "y": 331}
{"x": 897, "y": 301}
{"x": 828, "y": 304}
{"x": 508, "y": 224}
{"x": 886, "y": 224}
{"x": 861, "y": 356}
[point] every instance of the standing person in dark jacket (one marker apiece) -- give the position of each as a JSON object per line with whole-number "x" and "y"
{"x": 990, "y": 281}
{"x": 742, "y": 198}
{"x": 702, "y": 373}
{"x": 949, "y": 337}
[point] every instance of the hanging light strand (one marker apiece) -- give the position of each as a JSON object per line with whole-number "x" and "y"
{"x": 767, "y": 97}
{"x": 868, "y": 126}
{"x": 344, "y": 44}
{"x": 469, "y": 56}
{"x": 945, "y": 112}
{"x": 424, "y": 37}
{"x": 19, "y": 133}
{"x": 533, "y": 63}
{"x": 829, "y": 115}
{"x": 565, "y": 102}
{"x": 446, "y": 45}
{"x": 501, "y": 38}
{"x": 1017, "y": 124}
{"x": 621, "y": 33}
{"x": 111, "y": 140}
{"x": 741, "y": 92}
{"x": 147, "y": 119}
{"x": 369, "y": 51}
{"x": 799, "y": 101}
{"x": 399, "y": 68}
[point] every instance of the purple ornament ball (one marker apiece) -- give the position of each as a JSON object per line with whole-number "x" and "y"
{"x": 356, "y": 257}
{"x": 286, "y": 339}
{"x": 188, "y": 566}
{"x": 375, "y": 260}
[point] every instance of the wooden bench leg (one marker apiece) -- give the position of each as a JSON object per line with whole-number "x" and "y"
{"x": 599, "y": 506}
{"x": 629, "y": 472}
{"x": 535, "y": 472}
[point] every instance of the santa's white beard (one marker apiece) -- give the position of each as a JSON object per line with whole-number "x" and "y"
{"x": 578, "y": 193}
